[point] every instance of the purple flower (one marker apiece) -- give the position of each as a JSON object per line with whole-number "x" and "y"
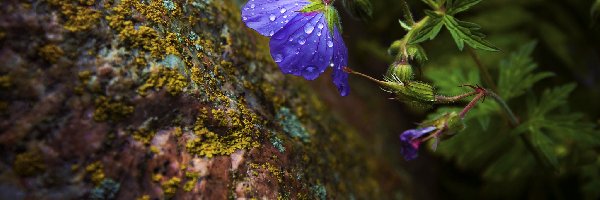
{"x": 305, "y": 37}
{"x": 410, "y": 141}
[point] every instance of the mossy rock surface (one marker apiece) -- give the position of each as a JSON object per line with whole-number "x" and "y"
{"x": 165, "y": 99}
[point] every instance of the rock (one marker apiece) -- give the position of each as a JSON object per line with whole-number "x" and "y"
{"x": 164, "y": 99}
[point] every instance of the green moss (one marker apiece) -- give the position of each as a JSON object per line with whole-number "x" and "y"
{"x": 109, "y": 109}
{"x": 278, "y": 144}
{"x": 29, "y": 163}
{"x": 291, "y": 124}
{"x": 107, "y": 189}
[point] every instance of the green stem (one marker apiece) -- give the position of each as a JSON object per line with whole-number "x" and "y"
{"x": 432, "y": 4}
{"x": 514, "y": 121}
{"x": 348, "y": 70}
{"x": 409, "y": 36}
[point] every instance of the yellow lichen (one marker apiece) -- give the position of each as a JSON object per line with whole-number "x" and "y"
{"x": 96, "y": 171}
{"x": 5, "y": 81}
{"x": 241, "y": 131}
{"x": 191, "y": 182}
{"x": 161, "y": 77}
{"x": 170, "y": 187}
{"x": 144, "y": 197}
{"x": 107, "y": 108}
{"x": 145, "y": 136}
{"x": 51, "y": 52}
{"x": 80, "y": 16}
{"x": 178, "y": 132}
{"x": 274, "y": 171}
{"x": 29, "y": 163}
{"x": 143, "y": 37}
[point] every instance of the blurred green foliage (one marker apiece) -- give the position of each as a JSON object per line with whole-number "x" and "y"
{"x": 551, "y": 85}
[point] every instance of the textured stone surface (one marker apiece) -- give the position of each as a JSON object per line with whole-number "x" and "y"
{"x": 164, "y": 99}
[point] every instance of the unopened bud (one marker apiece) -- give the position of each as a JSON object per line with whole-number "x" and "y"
{"x": 421, "y": 91}
{"x": 400, "y": 71}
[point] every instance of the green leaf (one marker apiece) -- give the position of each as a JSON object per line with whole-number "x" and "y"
{"x": 466, "y": 32}
{"x": 516, "y": 73}
{"x": 552, "y": 99}
{"x": 545, "y": 148}
{"x": 429, "y": 30}
{"x": 333, "y": 19}
{"x": 457, "y": 6}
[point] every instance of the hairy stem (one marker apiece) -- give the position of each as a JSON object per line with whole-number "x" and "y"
{"x": 471, "y": 104}
{"x": 348, "y": 70}
{"x": 452, "y": 99}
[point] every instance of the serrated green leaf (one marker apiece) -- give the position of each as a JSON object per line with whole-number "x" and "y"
{"x": 462, "y": 35}
{"x": 552, "y": 99}
{"x": 516, "y": 73}
{"x": 545, "y": 146}
{"x": 428, "y": 31}
{"x": 456, "y": 6}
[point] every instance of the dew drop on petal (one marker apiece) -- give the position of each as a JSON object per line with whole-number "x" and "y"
{"x": 301, "y": 41}
{"x": 271, "y": 33}
{"x": 272, "y": 17}
{"x": 282, "y": 10}
{"x": 278, "y": 58}
{"x": 329, "y": 43}
{"x": 320, "y": 25}
{"x": 308, "y": 29}
{"x": 319, "y": 34}
{"x": 252, "y": 5}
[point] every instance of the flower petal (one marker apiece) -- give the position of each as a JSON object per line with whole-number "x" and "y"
{"x": 340, "y": 60}
{"x": 303, "y": 47}
{"x": 269, "y": 16}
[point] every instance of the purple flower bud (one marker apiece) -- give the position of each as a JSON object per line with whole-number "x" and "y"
{"x": 302, "y": 43}
{"x": 410, "y": 141}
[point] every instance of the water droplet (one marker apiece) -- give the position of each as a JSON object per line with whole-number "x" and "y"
{"x": 291, "y": 39}
{"x": 282, "y": 10}
{"x": 278, "y": 58}
{"x": 308, "y": 29}
{"x": 252, "y": 5}
{"x": 272, "y": 17}
{"x": 331, "y": 65}
{"x": 319, "y": 34}
{"x": 320, "y": 25}
{"x": 285, "y": 16}
{"x": 245, "y": 18}
{"x": 301, "y": 41}
{"x": 271, "y": 33}
{"x": 329, "y": 43}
